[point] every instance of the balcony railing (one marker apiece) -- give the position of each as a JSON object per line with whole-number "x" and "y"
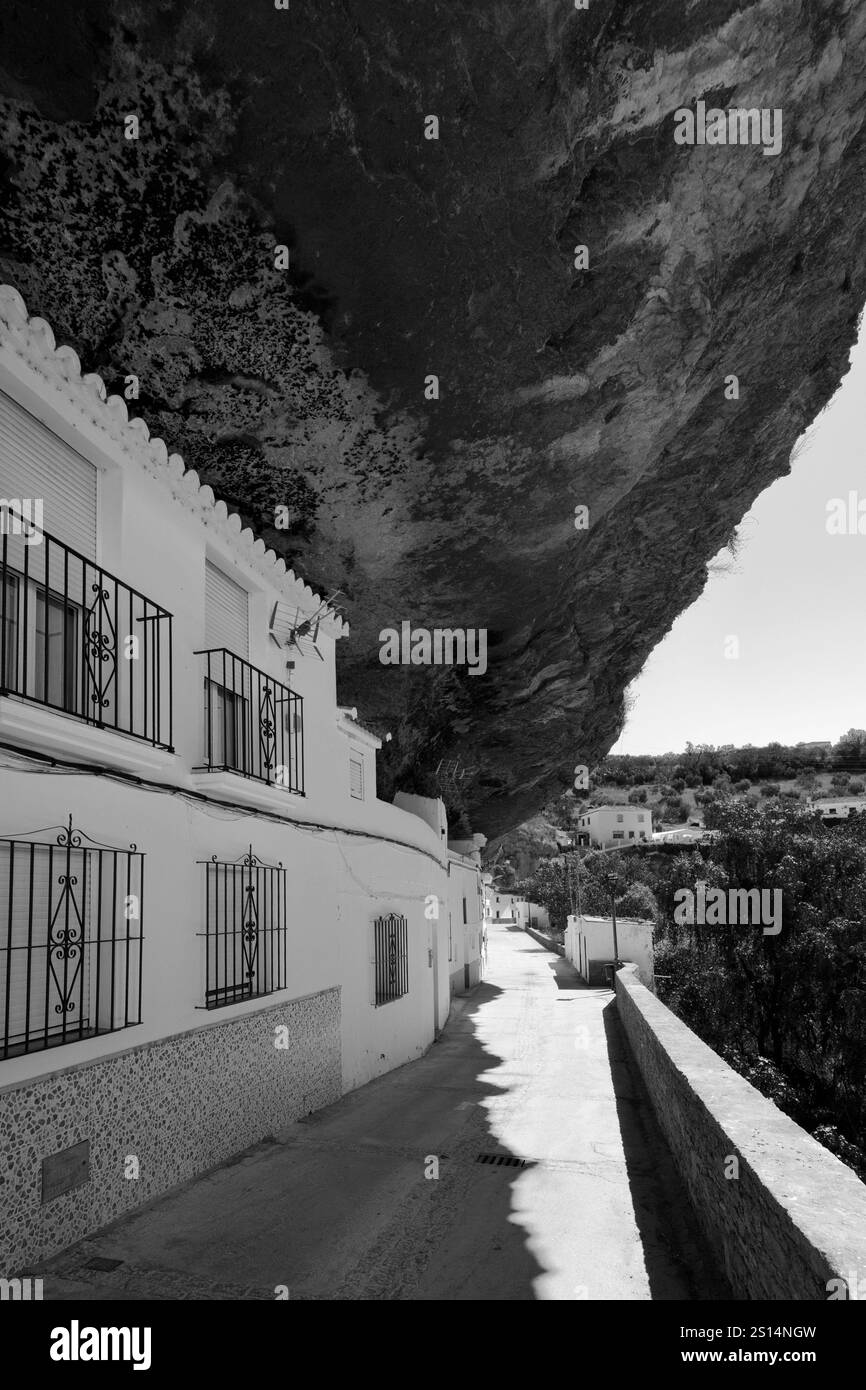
{"x": 76, "y": 639}
{"x": 253, "y": 724}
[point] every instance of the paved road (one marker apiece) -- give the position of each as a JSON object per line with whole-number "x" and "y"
{"x": 532, "y": 1069}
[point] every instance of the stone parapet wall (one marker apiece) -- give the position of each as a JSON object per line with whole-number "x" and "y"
{"x": 794, "y": 1217}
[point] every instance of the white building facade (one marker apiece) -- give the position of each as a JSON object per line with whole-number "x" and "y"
{"x": 209, "y": 924}
{"x": 512, "y": 907}
{"x": 607, "y": 827}
{"x": 589, "y": 943}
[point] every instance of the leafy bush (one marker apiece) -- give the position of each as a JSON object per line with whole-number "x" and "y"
{"x": 638, "y": 901}
{"x": 789, "y": 1011}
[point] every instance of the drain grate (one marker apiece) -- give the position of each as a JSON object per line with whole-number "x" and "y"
{"x": 501, "y": 1160}
{"x": 102, "y": 1262}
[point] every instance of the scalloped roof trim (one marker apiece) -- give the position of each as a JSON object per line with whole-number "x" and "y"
{"x": 33, "y": 340}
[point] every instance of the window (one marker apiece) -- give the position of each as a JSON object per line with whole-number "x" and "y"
{"x": 356, "y": 774}
{"x": 65, "y": 630}
{"x": 9, "y": 632}
{"x": 227, "y": 621}
{"x": 640, "y": 816}
{"x": 56, "y": 650}
{"x": 618, "y": 835}
{"x": 619, "y": 820}
{"x": 70, "y": 940}
{"x": 465, "y": 916}
{"x": 43, "y": 642}
{"x": 36, "y": 464}
{"x": 390, "y": 957}
{"x": 226, "y": 723}
{"x": 244, "y": 930}
{"x": 631, "y": 834}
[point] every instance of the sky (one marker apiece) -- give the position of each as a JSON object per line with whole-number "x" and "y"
{"x": 793, "y": 599}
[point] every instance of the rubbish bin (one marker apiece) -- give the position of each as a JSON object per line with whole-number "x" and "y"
{"x": 610, "y": 969}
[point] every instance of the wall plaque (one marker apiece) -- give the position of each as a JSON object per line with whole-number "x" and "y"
{"x": 64, "y": 1171}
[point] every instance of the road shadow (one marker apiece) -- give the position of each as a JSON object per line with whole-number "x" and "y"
{"x": 398, "y": 1191}
{"x": 676, "y": 1254}
{"x": 565, "y": 976}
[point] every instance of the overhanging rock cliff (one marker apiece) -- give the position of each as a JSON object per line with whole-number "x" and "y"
{"x": 597, "y": 384}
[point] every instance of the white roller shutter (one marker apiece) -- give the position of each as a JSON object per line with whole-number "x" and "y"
{"x": 356, "y": 774}
{"x": 35, "y": 464}
{"x": 227, "y": 622}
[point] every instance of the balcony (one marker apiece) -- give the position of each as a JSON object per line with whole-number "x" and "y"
{"x": 253, "y": 725}
{"x": 74, "y": 638}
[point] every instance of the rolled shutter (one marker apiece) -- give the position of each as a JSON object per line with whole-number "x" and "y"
{"x": 227, "y": 621}
{"x": 356, "y": 774}
{"x": 35, "y": 464}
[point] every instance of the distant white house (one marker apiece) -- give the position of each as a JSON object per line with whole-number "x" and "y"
{"x": 512, "y": 907}
{"x": 608, "y": 826}
{"x": 837, "y": 807}
{"x": 683, "y": 835}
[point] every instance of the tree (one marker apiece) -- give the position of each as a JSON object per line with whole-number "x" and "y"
{"x": 638, "y": 901}
{"x": 796, "y": 997}
{"x": 851, "y": 745}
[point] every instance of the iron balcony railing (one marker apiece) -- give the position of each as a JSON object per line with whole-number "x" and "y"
{"x": 253, "y": 724}
{"x": 77, "y": 639}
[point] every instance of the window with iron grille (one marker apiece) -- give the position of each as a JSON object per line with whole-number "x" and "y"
{"x": 245, "y": 929}
{"x": 70, "y": 939}
{"x": 391, "y": 957}
{"x": 356, "y": 775}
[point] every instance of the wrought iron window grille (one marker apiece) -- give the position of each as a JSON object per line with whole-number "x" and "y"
{"x": 71, "y": 938}
{"x": 245, "y": 929}
{"x": 390, "y": 958}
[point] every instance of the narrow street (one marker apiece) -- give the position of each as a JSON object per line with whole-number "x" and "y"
{"x": 532, "y": 1068}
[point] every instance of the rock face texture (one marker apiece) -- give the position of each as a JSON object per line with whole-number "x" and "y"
{"x": 599, "y": 384}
